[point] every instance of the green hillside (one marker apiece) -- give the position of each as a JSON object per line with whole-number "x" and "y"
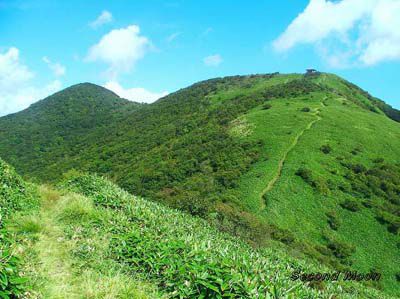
{"x": 305, "y": 163}
{"x": 53, "y": 129}
{"x": 91, "y": 239}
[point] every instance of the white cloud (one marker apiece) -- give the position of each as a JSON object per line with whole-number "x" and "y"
{"x": 16, "y": 89}
{"x": 104, "y": 18}
{"x": 58, "y": 69}
{"x": 213, "y": 60}
{"x": 120, "y": 49}
{"x": 364, "y": 31}
{"x": 136, "y": 94}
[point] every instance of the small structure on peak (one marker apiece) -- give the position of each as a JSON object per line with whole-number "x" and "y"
{"x": 312, "y": 72}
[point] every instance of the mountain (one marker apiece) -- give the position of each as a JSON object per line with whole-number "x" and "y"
{"x": 308, "y": 161}
{"x": 51, "y": 129}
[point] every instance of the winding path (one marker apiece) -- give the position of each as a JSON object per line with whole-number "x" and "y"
{"x": 281, "y": 163}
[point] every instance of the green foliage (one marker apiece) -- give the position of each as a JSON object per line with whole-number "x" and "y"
{"x": 326, "y": 149}
{"x": 351, "y": 205}
{"x": 186, "y": 258}
{"x": 305, "y": 109}
{"x": 293, "y": 88}
{"x": 266, "y": 106}
{"x": 392, "y": 221}
{"x": 341, "y": 249}
{"x": 333, "y": 220}
{"x": 12, "y": 284}
{"x": 380, "y": 181}
{"x": 305, "y": 174}
{"x": 15, "y": 195}
{"x": 283, "y": 235}
{"x": 316, "y": 182}
{"x": 183, "y": 151}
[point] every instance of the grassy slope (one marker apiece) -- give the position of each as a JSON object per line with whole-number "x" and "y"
{"x": 104, "y": 243}
{"x": 52, "y": 247}
{"x": 186, "y": 257}
{"x": 294, "y": 205}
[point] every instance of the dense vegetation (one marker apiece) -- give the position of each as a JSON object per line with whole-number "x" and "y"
{"x": 269, "y": 158}
{"x": 54, "y": 128}
{"x": 91, "y": 239}
{"x": 186, "y": 258}
{"x": 15, "y": 195}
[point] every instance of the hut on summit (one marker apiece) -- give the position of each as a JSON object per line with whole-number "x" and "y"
{"x": 312, "y": 72}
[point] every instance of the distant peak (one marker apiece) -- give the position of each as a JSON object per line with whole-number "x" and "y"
{"x": 87, "y": 86}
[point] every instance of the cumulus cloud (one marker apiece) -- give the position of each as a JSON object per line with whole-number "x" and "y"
{"x": 16, "y": 89}
{"x": 213, "y": 60}
{"x": 120, "y": 49}
{"x": 136, "y": 94}
{"x": 357, "y": 31}
{"x": 57, "y": 69}
{"x": 104, "y": 18}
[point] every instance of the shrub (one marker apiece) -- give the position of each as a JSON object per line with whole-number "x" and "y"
{"x": 340, "y": 249}
{"x": 379, "y": 160}
{"x": 356, "y": 151}
{"x": 351, "y": 205}
{"x": 397, "y": 276}
{"x": 326, "y": 149}
{"x": 358, "y": 168}
{"x": 391, "y": 221}
{"x": 266, "y": 106}
{"x": 333, "y": 220}
{"x": 305, "y": 174}
{"x": 305, "y": 109}
{"x": 12, "y": 285}
{"x": 282, "y": 235}
{"x": 317, "y": 183}
{"x": 15, "y": 195}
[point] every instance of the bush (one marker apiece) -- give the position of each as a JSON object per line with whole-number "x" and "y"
{"x": 282, "y": 235}
{"x": 379, "y": 160}
{"x": 318, "y": 183}
{"x": 333, "y": 220}
{"x": 266, "y": 106}
{"x": 305, "y": 109}
{"x": 356, "y": 151}
{"x": 15, "y": 195}
{"x": 326, "y": 149}
{"x": 12, "y": 285}
{"x": 391, "y": 221}
{"x": 305, "y": 174}
{"x": 340, "y": 249}
{"x": 351, "y": 205}
{"x": 397, "y": 276}
{"x": 358, "y": 168}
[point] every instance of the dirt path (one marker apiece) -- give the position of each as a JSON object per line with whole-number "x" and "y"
{"x": 281, "y": 163}
{"x": 54, "y": 261}
{"x": 48, "y": 244}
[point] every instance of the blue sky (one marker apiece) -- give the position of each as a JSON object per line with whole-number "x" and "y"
{"x": 145, "y": 49}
